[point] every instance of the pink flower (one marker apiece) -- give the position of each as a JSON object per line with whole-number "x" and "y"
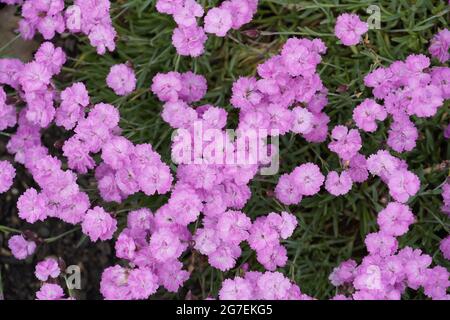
{"x": 50, "y": 291}
{"x": 343, "y": 274}
{"x": 346, "y": 143}
{"x": 366, "y": 114}
{"x": 167, "y": 86}
{"x": 308, "y": 179}
{"x": 35, "y": 76}
{"x": 381, "y": 244}
{"x": 98, "y": 224}
{"x": 7, "y": 174}
{"x": 236, "y": 289}
{"x": 395, "y": 219}
{"x": 47, "y": 268}
{"x": 338, "y": 184}
{"x": 445, "y": 247}
{"x": 402, "y": 135}
{"x": 121, "y": 79}
{"x": 440, "y": 45}
{"x": 358, "y": 168}
{"x": 245, "y": 93}
{"x": 193, "y": 86}
{"x": 142, "y": 283}
{"x": 303, "y": 120}
{"x": 186, "y": 13}
{"x": 74, "y": 99}
{"x": 189, "y": 41}
{"x": 31, "y": 206}
{"x": 218, "y": 21}
{"x": 349, "y": 28}
{"x": 20, "y": 247}
{"x": 403, "y": 185}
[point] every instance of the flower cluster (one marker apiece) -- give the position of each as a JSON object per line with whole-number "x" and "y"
{"x": 401, "y": 182}
{"x": 261, "y": 286}
{"x": 264, "y": 238}
{"x": 305, "y": 180}
{"x": 212, "y": 188}
{"x": 387, "y": 272}
{"x": 189, "y": 37}
{"x": 44, "y": 16}
{"x": 48, "y": 271}
{"x": 349, "y": 29}
{"x": 48, "y": 17}
{"x": 407, "y": 89}
{"x": 152, "y": 243}
{"x": 288, "y": 79}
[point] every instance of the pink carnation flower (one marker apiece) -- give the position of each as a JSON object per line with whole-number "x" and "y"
{"x": 98, "y": 224}
{"x": 218, "y": 21}
{"x": 395, "y": 219}
{"x": 440, "y": 45}
{"x": 189, "y": 41}
{"x": 349, "y": 29}
{"x": 20, "y": 247}
{"x": 7, "y": 174}
{"x": 121, "y": 79}
{"x": 46, "y": 269}
{"x": 337, "y": 184}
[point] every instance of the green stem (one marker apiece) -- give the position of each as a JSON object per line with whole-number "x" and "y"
{"x": 6, "y": 229}
{"x": 53, "y": 239}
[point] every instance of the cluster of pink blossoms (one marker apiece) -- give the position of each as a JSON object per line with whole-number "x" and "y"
{"x": 48, "y": 271}
{"x": 152, "y": 244}
{"x": 261, "y": 286}
{"x": 386, "y": 272}
{"x": 189, "y": 38}
{"x": 349, "y": 28}
{"x": 305, "y": 180}
{"x": 212, "y": 188}
{"x": 287, "y": 80}
{"x": 407, "y": 89}
{"x": 48, "y": 17}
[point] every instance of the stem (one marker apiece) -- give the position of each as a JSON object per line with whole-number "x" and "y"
{"x": 53, "y": 239}
{"x": 6, "y": 229}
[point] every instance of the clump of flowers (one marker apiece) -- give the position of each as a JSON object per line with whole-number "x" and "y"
{"x": 189, "y": 37}
{"x": 386, "y": 272}
{"x": 408, "y": 89}
{"x": 261, "y": 286}
{"x": 305, "y": 180}
{"x": 50, "y": 17}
